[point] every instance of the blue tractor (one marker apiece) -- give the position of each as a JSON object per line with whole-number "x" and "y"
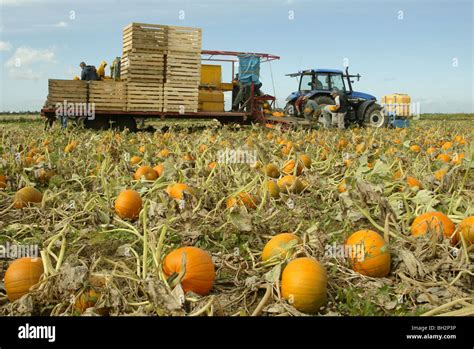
{"x": 317, "y": 85}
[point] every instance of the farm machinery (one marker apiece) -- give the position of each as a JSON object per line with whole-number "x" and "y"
{"x": 317, "y": 84}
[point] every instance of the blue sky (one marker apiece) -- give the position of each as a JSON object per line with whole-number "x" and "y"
{"x": 426, "y": 50}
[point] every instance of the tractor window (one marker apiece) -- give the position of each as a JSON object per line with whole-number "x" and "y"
{"x": 337, "y": 82}
{"x": 322, "y": 82}
{"x": 306, "y": 83}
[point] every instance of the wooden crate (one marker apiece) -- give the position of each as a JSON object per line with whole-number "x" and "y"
{"x": 143, "y": 66}
{"x": 145, "y": 96}
{"x": 144, "y": 37}
{"x": 183, "y": 66}
{"x": 70, "y": 91}
{"x": 180, "y": 96}
{"x": 184, "y": 39}
{"x": 108, "y": 95}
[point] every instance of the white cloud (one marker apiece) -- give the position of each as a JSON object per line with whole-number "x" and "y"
{"x": 5, "y": 46}
{"x": 24, "y": 56}
{"x": 24, "y": 74}
{"x": 61, "y": 24}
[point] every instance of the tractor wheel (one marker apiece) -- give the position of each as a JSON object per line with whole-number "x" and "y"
{"x": 290, "y": 109}
{"x": 374, "y": 117}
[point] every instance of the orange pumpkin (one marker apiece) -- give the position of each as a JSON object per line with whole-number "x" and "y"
{"x": 3, "y": 182}
{"x": 412, "y": 182}
{"x": 415, "y": 148}
{"x": 443, "y": 157}
{"x": 276, "y": 247}
{"x": 211, "y": 165}
{"x": 368, "y": 253}
{"x": 447, "y": 145}
{"x": 200, "y": 273}
{"x": 21, "y": 275}
{"x": 457, "y": 158}
{"x": 342, "y": 187}
{"x": 289, "y": 167}
{"x": 135, "y": 160}
{"x": 439, "y": 174}
{"x": 159, "y": 169}
{"x": 247, "y": 199}
{"x": 146, "y": 172}
{"x": 128, "y": 204}
{"x": 177, "y": 190}
{"x": 273, "y": 189}
{"x": 431, "y": 151}
{"x": 271, "y": 171}
{"x": 290, "y": 183}
{"x": 164, "y": 153}
{"x": 466, "y": 228}
{"x": 306, "y": 160}
{"x": 434, "y": 222}
{"x": 304, "y": 284}
{"x": 27, "y": 195}
{"x": 86, "y": 300}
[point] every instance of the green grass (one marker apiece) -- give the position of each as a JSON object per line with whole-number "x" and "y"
{"x": 458, "y": 116}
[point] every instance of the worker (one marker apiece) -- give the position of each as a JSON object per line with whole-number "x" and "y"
{"x": 311, "y": 109}
{"x": 115, "y": 69}
{"x": 235, "y": 91}
{"x": 101, "y": 70}
{"x": 88, "y": 72}
{"x": 339, "y": 111}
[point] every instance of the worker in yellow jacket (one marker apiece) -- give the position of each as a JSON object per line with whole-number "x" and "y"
{"x": 101, "y": 70}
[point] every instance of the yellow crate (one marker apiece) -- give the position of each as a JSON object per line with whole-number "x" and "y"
{"x": 211, "y": 106}
{"x": 211, "y": 75}
{"x": 226, "y": 86}
{"x": 211, "y": 96}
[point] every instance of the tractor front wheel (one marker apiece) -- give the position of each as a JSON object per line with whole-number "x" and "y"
{"x": 374, "y": 117}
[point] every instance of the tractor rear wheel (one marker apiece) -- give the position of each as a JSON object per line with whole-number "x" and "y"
{"x": 374, "y": 117}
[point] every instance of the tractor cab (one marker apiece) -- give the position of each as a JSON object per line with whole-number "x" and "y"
{"x": 317, "y": 85}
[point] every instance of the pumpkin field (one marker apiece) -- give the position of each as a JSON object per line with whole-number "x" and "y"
{"x": 358, "y": 222}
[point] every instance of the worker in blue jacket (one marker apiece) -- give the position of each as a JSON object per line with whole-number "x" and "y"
{"x": 88, "y": 72}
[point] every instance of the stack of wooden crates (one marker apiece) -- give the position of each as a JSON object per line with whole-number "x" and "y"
{"x": 162, "y": 67}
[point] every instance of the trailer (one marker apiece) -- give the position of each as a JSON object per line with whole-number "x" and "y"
{"x": 110, "y": 110}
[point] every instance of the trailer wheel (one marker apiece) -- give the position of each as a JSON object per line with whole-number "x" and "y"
{"x": 123, "y": 122}
{"x": 374, "y": 117}
{"x": 98, "y": 123}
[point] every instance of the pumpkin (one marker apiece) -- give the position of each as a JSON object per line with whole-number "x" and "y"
{"x": 86, "y": 300}
{"x": 289, "y": 167}
{"x": 412, "y": 182}
{"x": 128, "y": 204}
{"x": 368, "y": 253}
{"x": 277, "y": 246}
{"x": 446, "y": 145}
{"x": 211, "y": 165}
{"x": 415, "y": 148}
{"x": 341, "y": 143}
{"x": 188, "y": 157}
{"x": 159, "y": 169}
{"x": 3, "y": 182}
{"x": 342, "y": 187}
{"x": 70, "y": 147}
{"x": 439, "y": 174}
{"x": 273, "y": 189}
{"x": 247, "y": 199}
{"x": 271, "y": 171}
{"x": 434, "y": 222}
{"x": 142, "y": 149}
{"x": 164, "y": 153}
{"x": 304, "y": 284}
{"x": 306, "y": 160}
{"x": 200, "y": 273}
{"x": 457, "y": 158}
{"x": 146, "y": 172}
{"x": 135, "y": 160}
{"x": 27, "y": 195}
{"x": 443, "y": 158}
{"x": 466, "y": 228}
{"x": 21, "y": 275}
{"x": 431, "y": 151}
{"x": 177, "y": 190}
{"x": 290, "y": 183}
{"x": 360, "y": 147}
